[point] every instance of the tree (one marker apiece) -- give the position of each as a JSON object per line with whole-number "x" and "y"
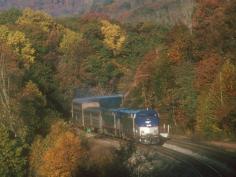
{"x": 10, "y": 79}
{"x": 42, "y": 144}
{"x": 217, "y": 104}
{"x": 22, "y": 46}
{"x": 68, "y": 77}
{"x": 13, "y": 161}
{"x": 206, "y": 71}
{"x": 70, "y": 43}
{"x": 37, "y": 18}
{"x": 43, "y": 75}
{"x": 62, "y": 159}
{"x": 179, "y": 41}
{"x": 218, "y": 16}
{"x": 19, "y": 43}
{"x": 144, "y": 77}
{"x": 4, "y": 31}
{"x": 58, "y": 154}
{"x": 10, "y": 16}
{"x": 69, "y": 63}
{"x": 114, "y": 36}
{"x": 184, "y": 96}
{"x": 32, "y": 109}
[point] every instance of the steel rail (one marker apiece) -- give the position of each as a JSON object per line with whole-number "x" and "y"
{"x": 204, "y": 169}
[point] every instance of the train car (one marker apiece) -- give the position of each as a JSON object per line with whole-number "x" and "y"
{"x": 92, "y": 112}
{"x": 102, "y": 114}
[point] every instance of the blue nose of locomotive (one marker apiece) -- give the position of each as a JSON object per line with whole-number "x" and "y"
{"x": 147, "y": 118}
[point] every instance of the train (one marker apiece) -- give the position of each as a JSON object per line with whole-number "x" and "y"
{"x": 103, "y": 114}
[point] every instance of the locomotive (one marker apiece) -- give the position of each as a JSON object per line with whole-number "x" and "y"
{"x": 104, "y": 115}
{"x": 143, "y": 125}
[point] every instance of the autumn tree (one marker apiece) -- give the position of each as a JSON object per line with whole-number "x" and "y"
{"x": 70, "y": 43}
{"x": 22, "y": 46}
{"x": 216, "y": 105}
{"x": 114, "y": 36}
{"x": 206, "y": 71}
{"x": 214, "y": 27}
{"x": 62, "y": 159}
{"x": 37, "y": 18}
{"x": 144, "y": 77}
{"x": 69, "y": 63}
{"x": 19, "y": 43}
{"x": 40, "y": 146}
{"x": 58, "y": 154}
{"x": 179, "y": 41}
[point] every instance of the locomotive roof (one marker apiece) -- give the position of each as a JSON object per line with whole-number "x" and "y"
{"x": 133, "y": 111}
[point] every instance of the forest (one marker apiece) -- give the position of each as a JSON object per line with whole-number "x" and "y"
{"x": 187, "y": 73}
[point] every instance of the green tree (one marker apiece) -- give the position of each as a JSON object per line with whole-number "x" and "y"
{"x": 184, "y": 96}
{"x": 13, "y": 161}
{"x": 10, "y": 16}
{"x": 32, "y": 109}
{"x": 43, "y": 75}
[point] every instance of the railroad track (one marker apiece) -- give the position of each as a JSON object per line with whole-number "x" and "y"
{"x": 222, "y": 160}
{"x": 185, "y": 164}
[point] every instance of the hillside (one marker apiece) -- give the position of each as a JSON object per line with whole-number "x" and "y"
{"x": 161, "y": 11}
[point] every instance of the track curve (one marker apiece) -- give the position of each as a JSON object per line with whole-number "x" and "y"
{"x": 190, "y": 163}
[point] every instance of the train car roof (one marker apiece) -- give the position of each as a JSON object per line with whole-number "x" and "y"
{"x": 95, "y": 98}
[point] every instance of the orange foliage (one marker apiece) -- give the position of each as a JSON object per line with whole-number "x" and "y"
{"x": 62, "y": 159}
{"x": 179, "y": 44}
{"x": 206, "y": 70}
{"x": 210, "y": 3}
{"x": 180, "y": 117}
{"x": 175, "y": 52}
{"x": 146, "y": 67}
{"x": 94, "y": 16}
{"x": 30, "y": 90}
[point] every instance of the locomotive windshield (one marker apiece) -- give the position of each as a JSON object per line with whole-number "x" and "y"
{"x": 147, "y": 119}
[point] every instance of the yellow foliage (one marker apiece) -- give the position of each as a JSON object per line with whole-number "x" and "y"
{"x": 22, "y": 46}
{"x": 36, "y": 17}
{"x": 228, "y": 79}
{"x": 61, "y": 160}
{"x": 114, "y": 36}
{"x": 4, "y": 31}
{"x": 19, "y": 43}
{"x": 31, "y": 89}
{"x": 35, "y": 159}
{"x": 70, "y": 41}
